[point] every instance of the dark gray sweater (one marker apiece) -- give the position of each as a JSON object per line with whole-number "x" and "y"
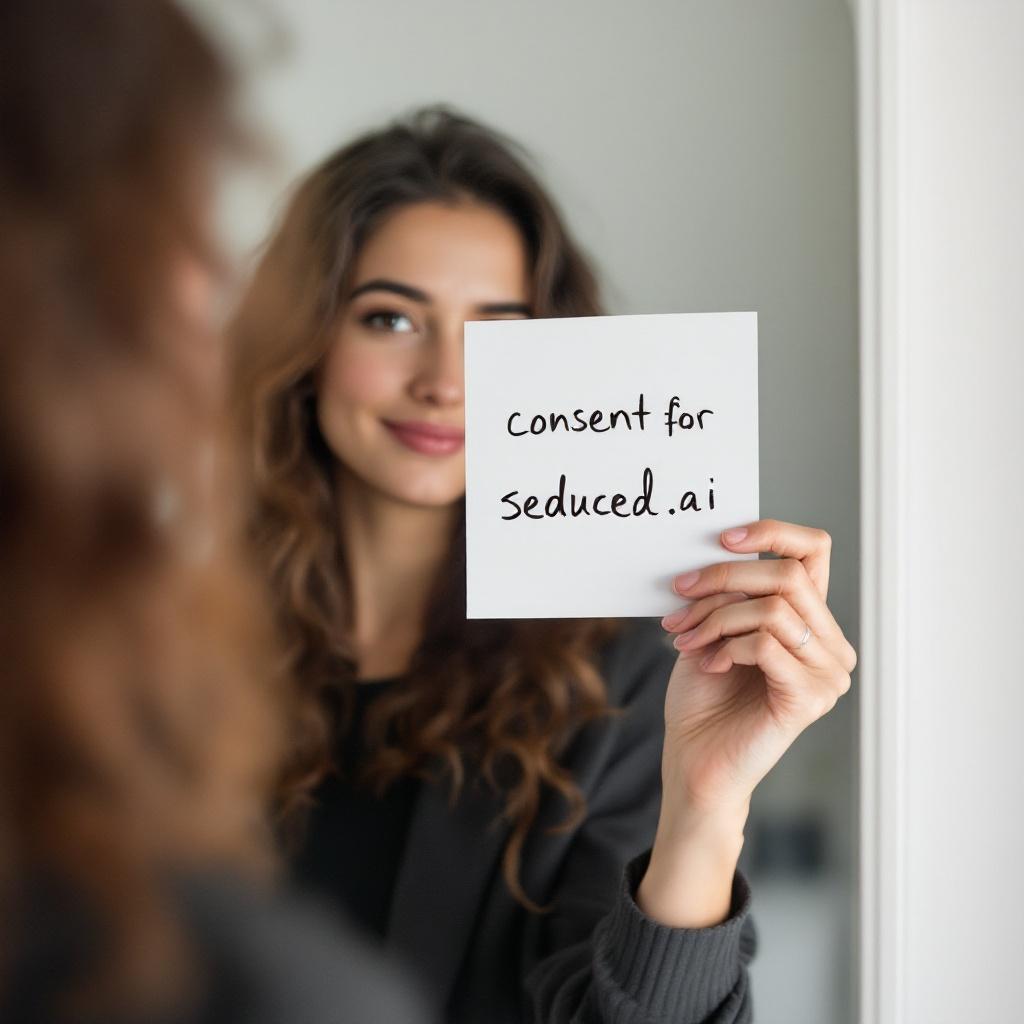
{"x": 593, "y": 957}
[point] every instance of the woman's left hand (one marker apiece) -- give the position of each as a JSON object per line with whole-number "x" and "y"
{"x": 743, "y": 688}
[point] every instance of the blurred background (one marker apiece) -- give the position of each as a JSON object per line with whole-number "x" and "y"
{"x": 705, "y": 156}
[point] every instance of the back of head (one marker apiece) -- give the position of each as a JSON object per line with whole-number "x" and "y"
{"x": 135, "y": 735}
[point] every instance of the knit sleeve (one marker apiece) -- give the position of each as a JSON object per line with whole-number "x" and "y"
{"x": 644, "y": 970}
{"x": 596, "y": 958}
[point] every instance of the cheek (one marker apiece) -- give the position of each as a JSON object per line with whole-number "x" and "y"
{"x": 359, "y": 377}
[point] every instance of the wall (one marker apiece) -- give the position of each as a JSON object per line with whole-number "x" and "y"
{"x": 944, "y": 492}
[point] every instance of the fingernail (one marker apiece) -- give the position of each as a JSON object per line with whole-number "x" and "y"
{"x": 675, "y": 619}
{"x": 686, "y": 581}
{"x": 685, "y": 638}
{"x": 735, "y": 536}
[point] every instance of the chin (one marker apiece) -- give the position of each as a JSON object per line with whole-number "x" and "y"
{"x": 421, "y": 489}
{"x": 429, "y": 497}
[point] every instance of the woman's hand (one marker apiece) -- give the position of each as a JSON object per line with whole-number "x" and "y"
{"x": 741, "y": 691}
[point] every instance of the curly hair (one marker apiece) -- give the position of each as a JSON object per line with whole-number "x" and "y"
{"x": 138, "y": 733}
{"x": 497, "y": 697}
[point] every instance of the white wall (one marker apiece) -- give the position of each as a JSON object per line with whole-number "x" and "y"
{"x": 965, "y": 335}
{"x": 704, "y": 153}
{"x": 944, "y": 497}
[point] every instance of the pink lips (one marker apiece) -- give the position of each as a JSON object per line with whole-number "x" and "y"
{"x": 427, "y": 438}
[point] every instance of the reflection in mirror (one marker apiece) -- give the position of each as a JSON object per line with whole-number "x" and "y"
{"x": 703, "y": 159}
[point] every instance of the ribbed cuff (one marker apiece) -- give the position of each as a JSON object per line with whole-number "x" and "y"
{"x": 678, "y": 974}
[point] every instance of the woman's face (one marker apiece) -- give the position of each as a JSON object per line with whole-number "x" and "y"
{"x": 390, "y": 397}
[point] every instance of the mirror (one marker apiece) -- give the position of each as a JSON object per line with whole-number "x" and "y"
{"x": 704, "y": 156}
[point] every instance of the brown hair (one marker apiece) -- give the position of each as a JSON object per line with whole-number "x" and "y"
{"x": 499, "y": 696}
{"x": 136, "y": 730}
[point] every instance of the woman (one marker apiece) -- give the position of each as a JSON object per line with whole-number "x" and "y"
{"x": 138, "y": 723}
{"x": 486, "y": 795}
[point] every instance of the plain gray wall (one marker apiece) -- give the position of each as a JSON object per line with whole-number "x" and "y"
{"x": 704, "y": 154}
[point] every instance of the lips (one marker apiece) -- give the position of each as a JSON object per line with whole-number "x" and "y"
{"x": 427, "y": 438}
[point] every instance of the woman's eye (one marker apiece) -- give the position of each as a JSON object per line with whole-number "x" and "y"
{"x": 385, "y": 320}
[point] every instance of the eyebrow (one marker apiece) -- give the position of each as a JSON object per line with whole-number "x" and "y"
{"x": 416, "y": 295}
{"x": 381, "y": 285}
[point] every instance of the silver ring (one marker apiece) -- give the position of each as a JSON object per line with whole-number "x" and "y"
{"x": 803, "y": 639}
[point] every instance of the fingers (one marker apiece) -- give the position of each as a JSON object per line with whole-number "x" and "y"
{"x": 697, "y": 611}
{"x": 810, "y": 545}
{"x": 785, "y": 577}
{"x": 811, "y": 693}
{"x": 759, "y": 649}
{"x": 800, "y": 575}
{"x": 774, "y": 615}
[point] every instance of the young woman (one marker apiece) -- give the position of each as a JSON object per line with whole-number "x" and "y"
{"x": 137, "y": 726}
{"x": 544, "y": 817}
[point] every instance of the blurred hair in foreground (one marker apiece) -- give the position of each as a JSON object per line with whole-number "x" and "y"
{"x": 137, "y": 734}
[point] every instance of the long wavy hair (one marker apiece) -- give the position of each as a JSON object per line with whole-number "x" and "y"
{"x": 495, "y": 698}
{"x": 138, "y": 733}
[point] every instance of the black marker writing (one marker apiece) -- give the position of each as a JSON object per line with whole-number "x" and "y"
{"x": 685, "y": 420}
{"x": 554, "y": 421}
{"x": 573, "y": 505}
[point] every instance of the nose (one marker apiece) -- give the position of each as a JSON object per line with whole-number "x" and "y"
{"x": 439, "y": 377}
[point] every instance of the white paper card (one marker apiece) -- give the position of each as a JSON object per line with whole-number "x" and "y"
{"x": 656, "y": 413}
